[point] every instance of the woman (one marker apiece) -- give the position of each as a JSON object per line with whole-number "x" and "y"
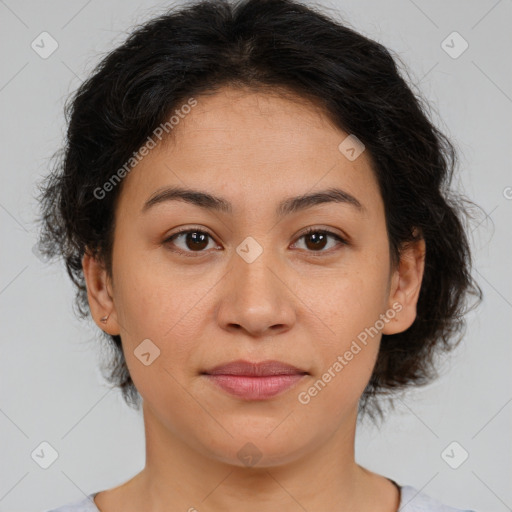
{"x": 255, "y": 209}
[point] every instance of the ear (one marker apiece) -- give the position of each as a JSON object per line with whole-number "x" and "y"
{"x": 405, "y": 287}
{"x": 100, "y": 294}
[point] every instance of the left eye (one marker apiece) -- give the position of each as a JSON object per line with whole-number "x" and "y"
{"x": 196, "y": 240}
{"x": 316, "y": 239}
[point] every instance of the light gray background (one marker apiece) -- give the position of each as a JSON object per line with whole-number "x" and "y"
{"x": 50, "y": 387}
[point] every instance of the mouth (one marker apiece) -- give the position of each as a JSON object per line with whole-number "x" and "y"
{"x": 255, "y": 381}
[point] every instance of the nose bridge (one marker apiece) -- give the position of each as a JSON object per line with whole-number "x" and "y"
{"x": 253, "y": 264}
{"x": 254, "y": 269}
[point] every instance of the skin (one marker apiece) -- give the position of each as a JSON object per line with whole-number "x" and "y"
{"x": 293, "y": 304}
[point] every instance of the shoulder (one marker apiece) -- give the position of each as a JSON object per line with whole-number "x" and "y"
{"x": 84, "y": 505}
{"x": 413, "y": 500}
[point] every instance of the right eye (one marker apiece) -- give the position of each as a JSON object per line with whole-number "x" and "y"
{"x": 192, "y": 240}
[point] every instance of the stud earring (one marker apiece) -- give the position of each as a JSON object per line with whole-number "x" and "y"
{"x": 104, "y": 319}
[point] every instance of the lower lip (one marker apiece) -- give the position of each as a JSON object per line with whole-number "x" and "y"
{"x": 255, "y": 388}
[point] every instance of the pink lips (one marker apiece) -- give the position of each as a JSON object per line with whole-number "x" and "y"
{"x": 255, "y": 381}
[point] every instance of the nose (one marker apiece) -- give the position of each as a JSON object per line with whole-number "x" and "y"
{"x": 256, "y": 297}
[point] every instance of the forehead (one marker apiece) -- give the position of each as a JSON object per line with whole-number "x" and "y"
{"x": 273, "y": 123}
{"x": 252, "y": 146}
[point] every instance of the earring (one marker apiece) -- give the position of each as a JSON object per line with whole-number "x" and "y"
{"x": 104, "y": 319}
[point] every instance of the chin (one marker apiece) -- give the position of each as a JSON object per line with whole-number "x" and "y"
{"x": 259, "y": 450}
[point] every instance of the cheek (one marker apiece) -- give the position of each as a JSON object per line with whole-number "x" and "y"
{"x": 350, "y": 300}
{"x": 156, "y": 302}
{"x": 346, "y": 351}
{"x": 349, "y": 306}
{"x": 329, "y": 398}
{"x": 155, "y": 297}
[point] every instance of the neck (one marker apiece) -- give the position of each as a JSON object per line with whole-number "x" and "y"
{"x": 182, "y": 477}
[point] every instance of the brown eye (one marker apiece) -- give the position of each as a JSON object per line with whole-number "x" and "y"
{"x": 196, "y": 241}
{"x": 317, "y": 239}
{"x": 191, "y": 240}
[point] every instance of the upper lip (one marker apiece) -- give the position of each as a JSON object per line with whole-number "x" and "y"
{"x": 253, "y": 369}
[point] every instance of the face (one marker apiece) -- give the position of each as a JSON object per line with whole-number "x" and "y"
{"x": 208, "y": 283}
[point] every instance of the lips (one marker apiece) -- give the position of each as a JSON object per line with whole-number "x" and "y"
{"x": 262, "y": 369}
{"x": 255, "y": 381}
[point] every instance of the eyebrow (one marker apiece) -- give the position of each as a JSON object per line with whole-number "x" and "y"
{"x": 286, "y": 207}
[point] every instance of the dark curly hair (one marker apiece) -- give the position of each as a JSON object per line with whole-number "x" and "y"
{"x": 273, "y": 45}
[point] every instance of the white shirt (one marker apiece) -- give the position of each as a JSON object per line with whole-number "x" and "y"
{"x": 411, "y": 500}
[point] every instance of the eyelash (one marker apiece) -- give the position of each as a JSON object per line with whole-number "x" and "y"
{"x": 195, "y": 254}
